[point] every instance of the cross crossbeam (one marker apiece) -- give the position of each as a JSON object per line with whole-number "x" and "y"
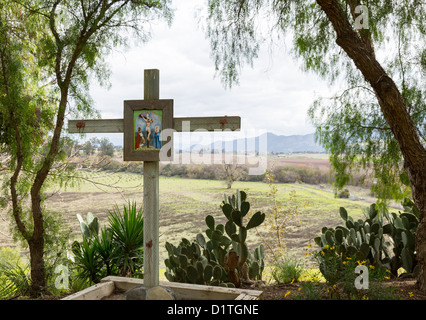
{"x": 184, "y": 124}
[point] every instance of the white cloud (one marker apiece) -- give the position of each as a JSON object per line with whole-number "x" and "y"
{"x": 275, "y": 86}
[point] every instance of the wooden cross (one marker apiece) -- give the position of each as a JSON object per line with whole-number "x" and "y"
{"x": 151, "y": 168}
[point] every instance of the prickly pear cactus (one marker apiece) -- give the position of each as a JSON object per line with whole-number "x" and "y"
{"x": 221, "y": 256}
{"x": 90, "y": 227}
{"x": 386, "y": 241}
{"x": 187, "y": 264}
{"x": 235, "y": 209}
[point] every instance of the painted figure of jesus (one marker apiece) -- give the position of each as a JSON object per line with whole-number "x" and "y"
{"x": 148, "y": 127}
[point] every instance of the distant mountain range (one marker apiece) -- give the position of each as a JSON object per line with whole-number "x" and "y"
{"x": 274, "y": 143}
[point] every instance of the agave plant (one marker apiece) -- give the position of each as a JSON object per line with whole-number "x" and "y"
{"x": 127, "y": 237}
{"x": 116, "y": 249}
{"x": 105, "y": 248}
{"x": 87, "y": 261}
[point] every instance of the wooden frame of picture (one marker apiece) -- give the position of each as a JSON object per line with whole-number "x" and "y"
{"x": 144, "y": 123}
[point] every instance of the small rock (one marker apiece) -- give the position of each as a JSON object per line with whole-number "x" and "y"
{"x": 160, "y": 293}
{"x": 135, "y": 293}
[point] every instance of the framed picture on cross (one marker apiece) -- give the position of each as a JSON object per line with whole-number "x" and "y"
{"x": 144, "y": 124}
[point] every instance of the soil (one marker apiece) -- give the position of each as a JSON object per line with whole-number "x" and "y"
{"x": 116, "y": 295}
{"x": 404, "y": 289}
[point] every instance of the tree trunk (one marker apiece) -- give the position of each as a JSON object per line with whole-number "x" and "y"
{"x": 35, "y": 239}
{"x": 36, "y": 243}
{"x": 38, "y": 271}
{"x": 418, "y": 185}
{"x": 395, "y": 113}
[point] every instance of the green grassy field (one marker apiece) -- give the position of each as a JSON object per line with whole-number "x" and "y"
{"x": 184, "y": 204}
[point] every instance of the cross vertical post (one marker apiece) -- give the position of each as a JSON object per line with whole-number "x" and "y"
{"x": 151, "y": 196}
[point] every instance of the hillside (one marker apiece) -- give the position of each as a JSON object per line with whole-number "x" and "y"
{"x": 274, "y": 143}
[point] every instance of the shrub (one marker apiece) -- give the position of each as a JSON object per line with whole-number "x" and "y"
{"x": 8, "y": 254}
{"x": 87, "y": 260}
{"x": 117, "y": 249}
{"x": 110, "y": 164}
{"x": 344, "y": 194}
{"x": 339, "y": 271}
{"x": 279, "y": 219}
{"x": 56, "y": 248}
{"x": 287, "y": 270}
{"x": 127, "y": 237}
{"x": 134, "y": 167}
{"x": 301, "y": 173}
{"x": 170, "y": 170}
{"x": 14, "y": 277}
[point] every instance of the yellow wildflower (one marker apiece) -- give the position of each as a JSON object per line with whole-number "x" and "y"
{"x": 411, "y": 294}
{"x": 287, "y": 293}
{"x": 326, "y": 246}
{"x": 364, "y": 297}
{"x": 371, "y": 266}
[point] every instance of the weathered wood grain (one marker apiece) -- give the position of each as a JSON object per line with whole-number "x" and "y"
{"x": 181, "y": 124}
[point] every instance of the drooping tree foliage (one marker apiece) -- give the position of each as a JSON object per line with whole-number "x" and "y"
{"x": 50, "y": 50}
{"x": 374, "y": 53}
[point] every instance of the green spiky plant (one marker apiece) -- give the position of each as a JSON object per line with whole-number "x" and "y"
{"x": 87, "y": 261}
{"x": 127, "y": 236}
{"x": 116, "y": 249}
{"x": 14, "y": 274}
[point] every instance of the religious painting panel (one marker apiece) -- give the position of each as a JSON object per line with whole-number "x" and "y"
{"x": 145, "y": 122}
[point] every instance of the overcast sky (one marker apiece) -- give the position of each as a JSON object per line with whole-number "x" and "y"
{"x": 272, "y": 96}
